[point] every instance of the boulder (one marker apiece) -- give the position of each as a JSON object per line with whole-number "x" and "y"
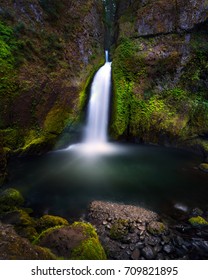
{"x": 14, "y": 247}
{"x": 78, "y": 241}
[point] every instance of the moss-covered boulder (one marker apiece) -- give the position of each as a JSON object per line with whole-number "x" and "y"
{"x": 198, "y": 221}
{"x": 22, "y": 222}
{"x": 49, "y": 221}
{"x": 10, "y": 199}
{"x": 156, "y": 228}
{"x": 78, "y": 241}
{"x": 14, "y": 247}
{"x": 119, "y": 230}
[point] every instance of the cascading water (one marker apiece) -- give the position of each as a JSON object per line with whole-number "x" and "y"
{"x": 95, "y": 138}
{"x": 98, "y": 110}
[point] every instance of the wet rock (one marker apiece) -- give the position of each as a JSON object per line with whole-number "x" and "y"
{"x": 140, "y": 245}
{"x": 196, "y": 212}
{"x": 168, "y": 249}
{"x": 148, "y": 253}
{"x": 160, "y": 256}
{"x": 156, "y": 228}
{"x": 135, "y": 255}
{"x": 152, "y": 240}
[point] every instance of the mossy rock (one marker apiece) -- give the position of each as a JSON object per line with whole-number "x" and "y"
{"x": 119, "y": 230}
{"x": 198, "y": 221}
{"x": 78, "y": 241}
{"x": 22, "y": 222}
{"x": 89, "y": 249}
{"x": 10, "y": 199}
{"x": 49, "y": 221}
{"x": 204, "y": 167}
{"x": 14, "y": 247}
{"x": 156, "y": 228}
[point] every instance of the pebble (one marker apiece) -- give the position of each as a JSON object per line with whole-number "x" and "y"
{"x": 105, "y": 223}
{"x": 148, "y": 253}
{"x": 140, "y": 245}
{"x": 135, "y": 255}
{"x": 132, "y": 247}
{"x": 168, "y": 249}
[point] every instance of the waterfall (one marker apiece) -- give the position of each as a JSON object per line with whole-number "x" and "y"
{"x": 95, "y": 140}
{"x": 98, "y": 108}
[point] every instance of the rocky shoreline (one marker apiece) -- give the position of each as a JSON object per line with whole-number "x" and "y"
{"x": 129, "y": 232}
{"x": 109, "y": 231}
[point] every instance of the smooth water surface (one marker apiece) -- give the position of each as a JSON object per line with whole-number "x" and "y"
{"x": 65, "y": 182}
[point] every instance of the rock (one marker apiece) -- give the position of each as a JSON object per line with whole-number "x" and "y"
{"x": 168, "y": 249}
{"x": 48, "y": 221}
{"x": 10, "y": 199}
{"x": 119, "y": 230}
{"x": 196, "y": 212}
{"x": 203, "y": 167}
{"x": 140, "y": 245}
{"x": 135, "y": 254}
{"x": 148, "y": 253}
{"x": 156, "y": 228}
{"x": 152, "y": 240}
{"x": 162, "y": 17}
{"x": 23, "y": 223}
{"x": 78, "y": 241}
{"x": 14, "y": 247}
{"x": 99, "y": 209}
{"x": 198, "y": 221}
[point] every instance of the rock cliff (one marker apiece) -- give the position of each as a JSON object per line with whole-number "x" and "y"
{"x": 160, "y": 72}
{"x": 48, "y": 51}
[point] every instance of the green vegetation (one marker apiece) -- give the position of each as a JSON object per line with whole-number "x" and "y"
{"x": 198, "y": 221}
{"x": 49, "y": 221}
{"x": 119, "y": 230}
{"x": 44, "y": 233}
{"x": 156, "y": 228}
{"x": 89, "y": 249}
{"x": 10, "y": 199}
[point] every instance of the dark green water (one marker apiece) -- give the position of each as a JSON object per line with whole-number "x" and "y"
{"x": 65, "y": 182}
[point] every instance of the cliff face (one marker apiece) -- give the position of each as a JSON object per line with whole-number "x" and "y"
{"x": 160, "y": 72}
{"x": 48, "y": 50}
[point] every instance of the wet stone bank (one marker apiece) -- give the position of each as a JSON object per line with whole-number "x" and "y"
{"x": 129, "y": 232}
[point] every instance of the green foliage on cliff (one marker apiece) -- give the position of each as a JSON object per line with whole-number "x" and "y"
{"x": 123, "y": 76}
{"x": 8, "y": 47}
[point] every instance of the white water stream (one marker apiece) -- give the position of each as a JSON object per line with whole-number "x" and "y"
{"x": 98, "y": 108}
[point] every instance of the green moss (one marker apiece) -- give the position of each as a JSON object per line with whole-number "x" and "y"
{"x": 44, "y": 233}
{"x": 198, "y": 221}
{"x": 87, "y": 229}
{"x": 11, "y": 138}
{"x": 89, "y": 249}
{"x": 56, "y": 120}
{"x": 119, "y": 230}
{"x": 49, "y": 221}
{"x": 156, "y": 228}
{"x": 84, "y": 93}
{"x": 10, "y": 199}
